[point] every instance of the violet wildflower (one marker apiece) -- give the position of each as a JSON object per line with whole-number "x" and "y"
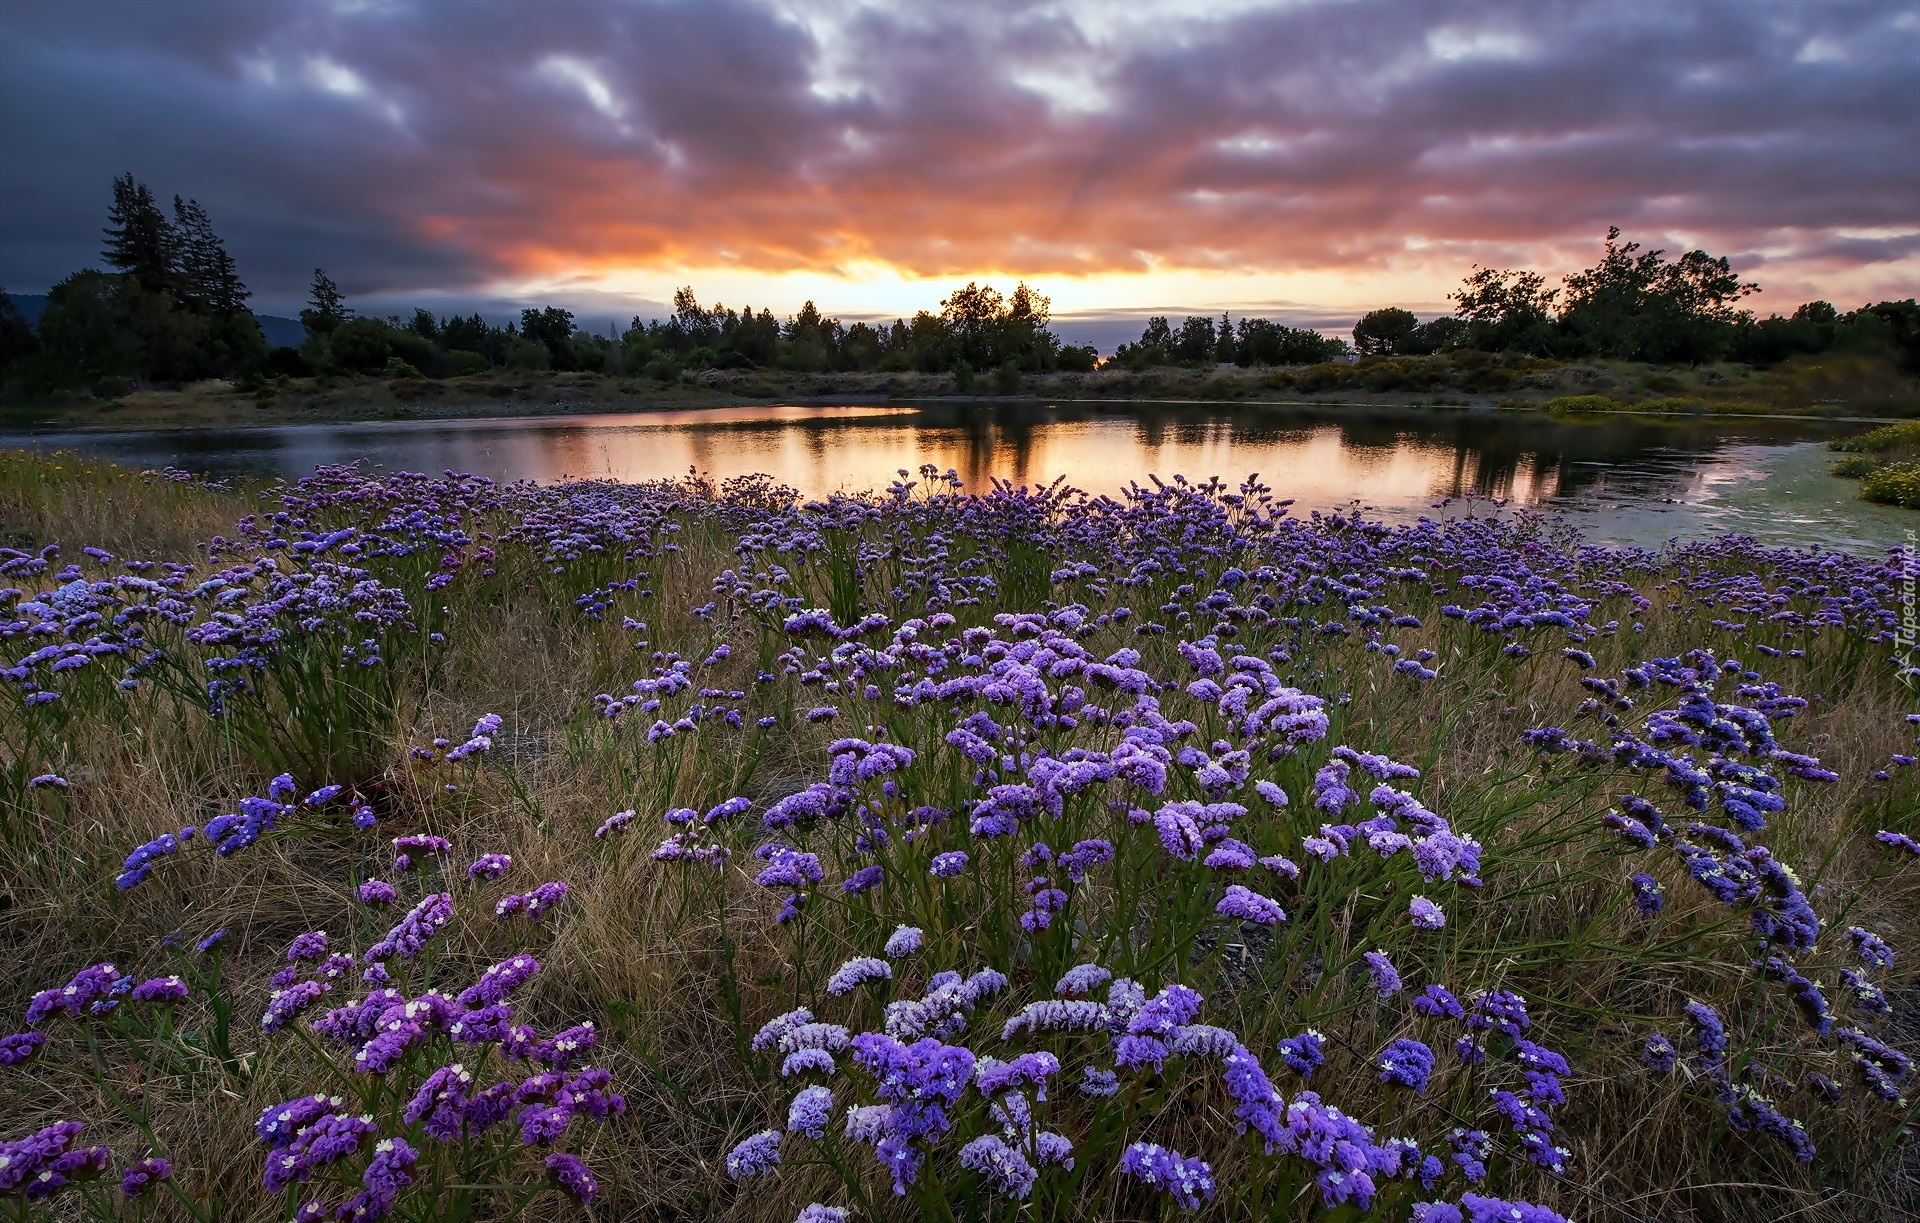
{"x": 1386, "y": 979}
{"x": 1870, "y": 947}
{"x": 947, "y": 865}
{"x": 1426, "y": 915}
{"x": 287, "y": 1003}
{"x": 1437, "y": 1002}
{"x": 1658, "y": 1054}
{"x": 1004, "y": 1169}
{"x": 1647, "y": 897}
{"x": 1099, "y": 1083}
{"x": 19, "y": 1047}
{"x": 856, "y": 971}
{"x": 1303, "y": 1053}
{"x": 159, "y": 990}
{"x": 1188, "y": 1181}
{"x": 1246, "y": 905}
{"x": 863, "y": 880}
{"x": 572, "y": 1177}
{"x": 375, "y": 892}
{"x": 904, "y": 941}
{"x": 816, "y": 1213}
{"x": 144, "y": 1175}
{"x": 1710, "y": 1033}
{"x": 810, "y": 1111}
{"x": 1498, "y": 1210}
{"x": 1082, "y": 979}
{"x": 489, "y": 866}
{"x": 1407, "y": 1063}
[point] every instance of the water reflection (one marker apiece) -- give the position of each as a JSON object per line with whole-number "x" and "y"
{"x": 1396, "y": 461}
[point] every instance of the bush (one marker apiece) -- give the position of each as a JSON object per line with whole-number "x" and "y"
{"x": 1583, "y": 403}
{"x": 461, "y": 361}
{"x": 1893, "y": 484}
{"x": 1857, "y": 466}
{"x": 962, "y": 374}
{"x": 1903, "y": 436}
{"x": 397, "y": 368}
{"x": 1077, "y": 360}
{"x": 1006, "y": 379}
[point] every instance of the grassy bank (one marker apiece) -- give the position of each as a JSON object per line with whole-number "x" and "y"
{"x": 1837, "y": 385}
{"x": 1175, "y": 738}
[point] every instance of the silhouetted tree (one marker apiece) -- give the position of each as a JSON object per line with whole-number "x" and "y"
{"x": 140, "y": 240}
{"x": 208, "y": 279}
{"x": 326, "y": 308}
{"x": 1506, "y": 309}
{"x": 1383, "y": 331}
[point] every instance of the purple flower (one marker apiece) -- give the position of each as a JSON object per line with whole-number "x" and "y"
{"x": 1188, "y": 1181}
{"x": 159, "y": 990}
{"x": 1249, "y": 906}
{"x": 1497, "y": 1210}
{"x": 489, "y": 866}
{"x": 904, "y": 941}
{"x": 947, "y": 865}
{"x": 1710, "y": 1033}
{"x": 571, "y": 1177}
{"x": 421, "y": 923}
{"x": 754, "y": 1155}
{"x": 1871, "y": 948}
{"x": 1426, "y": 915}
{"x": 1439, "y": 1003}
{"x": 375, "y": 892}
{"x": 1647, "y": 897}
{"x": 498, "y": 981}
{"x": 144, "y": 1175}
{"x": 1658, "y": 1054}
{"x": 309, "y": 946}
{"x": 287, "y": 1003}
{"x": 1407, "y": 1063}
{"x": 1303, "y": 1053}
{"x": 1004, "y": 1169}
{"x": 810, "y": 1111}
{"x": 85, "y": 986}
{"x": 863, "y": 880}
{"x": 856, "y": 971}
{"x": 1386, "y": 979}
{"x": 19, "y": 1047}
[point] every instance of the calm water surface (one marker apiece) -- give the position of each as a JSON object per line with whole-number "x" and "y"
{"x": 1626, "y": 480}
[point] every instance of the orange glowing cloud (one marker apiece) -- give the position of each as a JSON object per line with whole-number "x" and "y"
{"x": 1230, "y": 153}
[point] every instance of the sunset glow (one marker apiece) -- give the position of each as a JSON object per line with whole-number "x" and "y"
{"x": 1307, "y": 159}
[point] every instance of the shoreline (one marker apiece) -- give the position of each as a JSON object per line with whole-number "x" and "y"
{"x": 109, "y": 422}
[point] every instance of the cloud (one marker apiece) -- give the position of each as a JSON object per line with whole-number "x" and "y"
{"x": 419, "y": 149}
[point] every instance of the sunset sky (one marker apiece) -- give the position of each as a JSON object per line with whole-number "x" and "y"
{"x": 1304, "y": 160}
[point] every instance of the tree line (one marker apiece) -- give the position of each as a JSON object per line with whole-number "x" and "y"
{"x": 173, "y": 308}
{"x": 1637, "y": 305}
{"x": 1632, "y": 305}
{"x": 977, "y": 330}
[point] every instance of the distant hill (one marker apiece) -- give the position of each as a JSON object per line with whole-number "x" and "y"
{"x": 280, "y": 332}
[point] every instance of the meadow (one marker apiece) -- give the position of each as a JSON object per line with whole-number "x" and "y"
{"x": 423, "y": 848}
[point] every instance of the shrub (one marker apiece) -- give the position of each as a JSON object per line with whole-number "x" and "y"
{"x": 1893, "y": 484}
{"x": 1583, "y": 403}
{"x": 1903, "y": 436}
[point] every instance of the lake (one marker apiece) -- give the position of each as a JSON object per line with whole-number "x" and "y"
{"x": 1634, "y": 480}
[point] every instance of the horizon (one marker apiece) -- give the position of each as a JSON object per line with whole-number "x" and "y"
{"x": 1306, "y": 162}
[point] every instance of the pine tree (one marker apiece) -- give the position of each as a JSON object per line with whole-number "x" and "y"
{"x": 209, "y": 280}
{"x": 140, "y": 241}
{"x": 328, "y": 309}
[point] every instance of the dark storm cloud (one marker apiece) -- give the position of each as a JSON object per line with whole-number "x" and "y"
{"x": 414, "y": 147}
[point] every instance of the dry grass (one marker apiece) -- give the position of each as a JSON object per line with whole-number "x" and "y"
{"x": 640, "y": 948}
